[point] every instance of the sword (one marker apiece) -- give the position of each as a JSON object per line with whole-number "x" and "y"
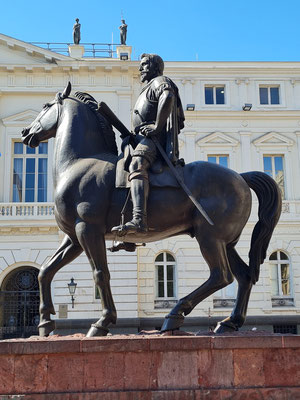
{"x": 180, "y": 180}
{"x": 173, "y": 169}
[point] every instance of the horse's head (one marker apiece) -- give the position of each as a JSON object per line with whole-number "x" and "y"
{"x": 45, "y": 124}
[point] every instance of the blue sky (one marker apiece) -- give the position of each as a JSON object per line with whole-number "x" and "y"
{"x": 178, "y": 30}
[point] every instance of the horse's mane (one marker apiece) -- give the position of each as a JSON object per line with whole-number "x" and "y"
{"x": 105, "y": 126}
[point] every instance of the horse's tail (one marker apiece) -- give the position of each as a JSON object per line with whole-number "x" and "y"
{"x": 269, "y": 210}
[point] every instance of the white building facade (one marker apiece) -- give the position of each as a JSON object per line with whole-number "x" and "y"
{"x": 148, "y": 282}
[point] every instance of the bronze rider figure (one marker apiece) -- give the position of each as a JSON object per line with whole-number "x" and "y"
{"x": 158, "y": 111}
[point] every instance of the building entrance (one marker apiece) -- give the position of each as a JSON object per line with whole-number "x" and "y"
{"x": 19, "y": 304}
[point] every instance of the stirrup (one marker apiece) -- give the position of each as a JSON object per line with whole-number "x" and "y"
{"x": 136, "y": 225}
{"x": 133, "y": 226}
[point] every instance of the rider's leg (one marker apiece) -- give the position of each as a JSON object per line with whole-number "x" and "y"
{"x": 139, "y": 187}
{"x": 143, "y": 156}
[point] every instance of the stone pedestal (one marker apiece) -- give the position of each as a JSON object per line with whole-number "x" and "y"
{"x": 76, "y": 51}
{"x": 124, "y": 50}
{"x": 151, "y": 367}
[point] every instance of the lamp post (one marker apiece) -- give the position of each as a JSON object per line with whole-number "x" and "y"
{"x": 72, "y": 289}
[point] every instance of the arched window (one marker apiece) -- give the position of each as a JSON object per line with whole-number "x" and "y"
{"x": 19, "y": 303}
{"x": 280, "y": 276}
{"x": 165, "y": 269}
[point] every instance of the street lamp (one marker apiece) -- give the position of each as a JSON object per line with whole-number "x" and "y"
{"x": 72, "y": 289}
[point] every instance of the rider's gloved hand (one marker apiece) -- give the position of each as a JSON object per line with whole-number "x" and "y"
{"x": 149, "y": 130}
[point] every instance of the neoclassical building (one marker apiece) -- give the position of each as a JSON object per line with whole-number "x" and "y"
{"x": 244, "y": 115}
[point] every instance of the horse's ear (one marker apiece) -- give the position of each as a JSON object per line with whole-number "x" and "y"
{"x": 67, "y": 91}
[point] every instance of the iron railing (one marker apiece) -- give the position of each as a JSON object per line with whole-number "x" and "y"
{"x": 91, "y": 50}
{"x": 19, "y": 313}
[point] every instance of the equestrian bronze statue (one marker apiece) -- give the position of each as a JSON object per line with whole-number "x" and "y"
{"x": 88, "y": 206}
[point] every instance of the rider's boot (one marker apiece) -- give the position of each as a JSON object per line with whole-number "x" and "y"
{"x": 139, "y": 193}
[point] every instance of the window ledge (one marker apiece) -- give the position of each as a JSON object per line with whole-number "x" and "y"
{"x": 282, "y": 301}
{"x": 208, "y": 106}
{"x": 223, "y": 303}
{"x": 164, "y": 303}
{"x": 270, "y": 106}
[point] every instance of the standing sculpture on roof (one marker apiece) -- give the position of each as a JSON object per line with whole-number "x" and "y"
{"x": 76, "y": 32}
{"x": 123, "y": 32}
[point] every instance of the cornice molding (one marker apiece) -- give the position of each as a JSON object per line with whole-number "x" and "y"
{"x": 252, "y": 115}
{"x": 30, "y": 49}
{"x": 28, "y": 230}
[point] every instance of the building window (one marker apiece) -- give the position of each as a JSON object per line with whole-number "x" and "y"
{"x": 279, "y": 274}
{"x": 214, "y": 94}
{"x": 269, "y": 94}
{"x": 273, "y": 166}
{"x": 165, "y": 266}
{"x": 221, "y": 159}
{"x": 30, "y": 171}
{"x": 19, "y": 303}
{"x": 280, "y": 279}
{"x": 225, "y": 297}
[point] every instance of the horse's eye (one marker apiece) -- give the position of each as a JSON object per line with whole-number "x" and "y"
{"x": 46, "y": 105}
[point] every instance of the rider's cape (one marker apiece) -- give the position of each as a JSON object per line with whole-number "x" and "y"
{"x": 175, "y": 123}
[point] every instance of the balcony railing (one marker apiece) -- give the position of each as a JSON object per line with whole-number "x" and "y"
{"x": 9, "y": 211}
{"x": 92, "y": 50}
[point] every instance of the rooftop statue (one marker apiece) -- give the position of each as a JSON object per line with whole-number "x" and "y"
{"x": 123, "y": 32}
{"x": 76, "y": 32}
{"x": 88, "y": 204}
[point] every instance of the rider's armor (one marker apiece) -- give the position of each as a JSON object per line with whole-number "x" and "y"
{"x": 144, "y": 113}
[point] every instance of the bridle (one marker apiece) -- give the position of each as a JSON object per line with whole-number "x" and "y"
{"x": 46, "y": 108}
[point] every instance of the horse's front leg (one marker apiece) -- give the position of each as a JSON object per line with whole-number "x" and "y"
{"x": 66, "y": 253}
{"x": 93, "y": 244}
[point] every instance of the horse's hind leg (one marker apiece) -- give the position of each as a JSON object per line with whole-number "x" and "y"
{"x": 66, "y": 253}
{"x": 241, "y": 271}
{"x": 215, "y": 255}
{"x": 93, "y": 243}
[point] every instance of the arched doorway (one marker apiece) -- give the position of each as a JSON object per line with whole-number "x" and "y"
{"x": 19, "y": 303}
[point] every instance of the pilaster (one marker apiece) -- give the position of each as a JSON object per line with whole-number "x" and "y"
{"x": 245, "y": 151}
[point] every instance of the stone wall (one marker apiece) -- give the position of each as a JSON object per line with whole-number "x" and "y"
{"x": 151, "y": 367}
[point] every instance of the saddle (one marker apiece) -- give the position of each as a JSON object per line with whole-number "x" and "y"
{"x": 160, "y": 175}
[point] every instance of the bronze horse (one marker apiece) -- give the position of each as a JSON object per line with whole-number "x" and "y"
{"x": 87, "y": 206}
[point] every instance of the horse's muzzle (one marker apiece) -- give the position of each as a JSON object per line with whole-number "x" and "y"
{"x": 28, "y": 138}
{"x": 25, "y": 135}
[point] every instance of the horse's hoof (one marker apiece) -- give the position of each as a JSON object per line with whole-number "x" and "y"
{"x": 172, "y": 322}
{"x": 96, "y": 330}
{"x": 223, "y": 327}
{"x": 45, "y": 328}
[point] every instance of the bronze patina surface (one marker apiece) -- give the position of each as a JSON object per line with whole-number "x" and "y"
{"x": 88, "y": 205}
